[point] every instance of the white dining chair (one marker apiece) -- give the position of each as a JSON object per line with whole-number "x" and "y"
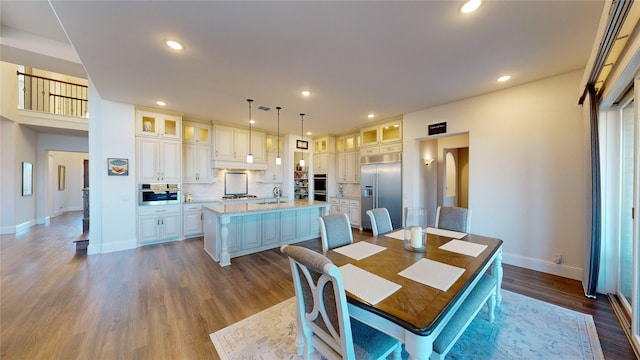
{"x": 323, "y": 315}
{"x": 453, "y": 218}
{"x": 380, "y": 221}
{"x": 335, "y": 230}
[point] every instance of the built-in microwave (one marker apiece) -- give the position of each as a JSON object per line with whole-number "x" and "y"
{"x": 158, "y": 194}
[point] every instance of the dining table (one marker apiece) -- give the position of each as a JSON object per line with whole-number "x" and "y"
{"x": 412, "y": 295}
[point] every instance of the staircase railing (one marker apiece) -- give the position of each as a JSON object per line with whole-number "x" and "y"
{"x": 52, "y": 96}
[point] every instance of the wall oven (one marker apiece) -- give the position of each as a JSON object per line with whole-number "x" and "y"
{"x": 320, "y": 187}
{"x": 158, "y": 194}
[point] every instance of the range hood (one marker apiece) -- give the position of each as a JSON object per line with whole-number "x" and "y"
{"x": 239, "y": 165}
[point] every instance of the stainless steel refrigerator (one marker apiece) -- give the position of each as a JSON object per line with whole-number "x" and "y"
{"x": 381, "y": 186}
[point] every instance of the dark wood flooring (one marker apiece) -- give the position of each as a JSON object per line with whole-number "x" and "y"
{"x": 162, "y": 301}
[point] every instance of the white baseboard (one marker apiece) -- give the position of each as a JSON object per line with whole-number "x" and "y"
{"x": 568, "y": 271}
{"x": 7, "y": 230}
{"x": 25, "y": 226}
{"x": 111, "y": 247}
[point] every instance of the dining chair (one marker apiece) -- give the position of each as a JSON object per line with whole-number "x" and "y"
{"x": 323, "y": 315}
{"x": 335, "y": 230}
{"x": 380, "y": 221}
{"x": 453, "y": 218}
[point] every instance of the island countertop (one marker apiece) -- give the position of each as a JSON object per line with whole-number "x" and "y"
{"x": 241, "y": 208}
{"x": 233, "y": 230}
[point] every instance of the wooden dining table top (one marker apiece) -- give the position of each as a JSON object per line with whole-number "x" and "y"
{"x": 416, "y": 307}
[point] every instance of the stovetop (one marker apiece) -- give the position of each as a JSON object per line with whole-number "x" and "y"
{"x": 236, "y": 197}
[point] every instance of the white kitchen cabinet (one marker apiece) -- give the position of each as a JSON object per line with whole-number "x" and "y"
{"x": 158, "y": 160}
{"x": 274, "y": 143}
{"x": 321, "y": 145}
{"x": 381, "y": 139}
{"x": 382, "y": 133}
{"x": 152, "y": 124}
{"x": 197, "y": 133}
{"x": 347, "y": 163}
{"x": 159, "y": 224}
{"x": 196, "y": 164}
{"x": 192, "y": 220}
{"x": 273, "y": 174}
{"x": 354, "y": 213}
{"x": 350, "y": 207}
{"x": 232, "y": 144}
{"x": 348, "y": 143}
{"x": 320, "y": 163}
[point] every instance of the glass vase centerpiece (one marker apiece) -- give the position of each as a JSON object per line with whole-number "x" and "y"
{"x": 415, "y": 238}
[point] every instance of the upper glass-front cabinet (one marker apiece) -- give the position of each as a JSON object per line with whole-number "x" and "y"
{"x": 383, "y": 133}
{"x": 196, "y": 133}
{"x": 320, "y": 145}
{"x": 157, "y": 125}
{"x": 348, "y": 143}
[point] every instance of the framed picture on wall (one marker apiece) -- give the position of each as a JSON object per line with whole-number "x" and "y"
{"x": 27, "y": 178}
{"x": 62, "y": 174}
{"x": 117, "y": 167}
{"x": 302, "y": 144}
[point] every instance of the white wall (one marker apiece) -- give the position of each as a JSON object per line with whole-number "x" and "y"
{"x": 70, "y": 198}
{"x": 25, "y": 151}
{"x": 526, "y": 168}
{"x": 7, "y": 176}
{"x": 48, "y": 181}
{"x": 112, "y": 199}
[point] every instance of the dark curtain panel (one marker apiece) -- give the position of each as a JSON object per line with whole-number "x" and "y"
{"x": 594, "y": 263}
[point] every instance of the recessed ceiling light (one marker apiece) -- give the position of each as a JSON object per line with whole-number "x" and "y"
{"x": 370, "y": 116}
{"x": 161, "y": 103}
{"x": 174, "y": 45}
{"x": 305, "y": 93}
{"x": 252, "y": 121}
{"x": 308, "y": 132}
{"x": 470, "y": 6}
{"x": 504, "y": 78}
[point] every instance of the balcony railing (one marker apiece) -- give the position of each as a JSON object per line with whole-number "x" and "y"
{"x": 52, "y": 96}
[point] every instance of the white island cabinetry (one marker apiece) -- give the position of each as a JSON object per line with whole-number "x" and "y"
{"x": 242, "y": 229}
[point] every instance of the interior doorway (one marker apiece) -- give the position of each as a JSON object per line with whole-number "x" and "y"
{"x": 445, "y": 176}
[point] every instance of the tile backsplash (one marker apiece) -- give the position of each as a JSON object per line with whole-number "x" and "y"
{"x": 215, "y": 191}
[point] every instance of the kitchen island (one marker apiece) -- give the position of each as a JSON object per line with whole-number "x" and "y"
{"x": 240, "y": 229}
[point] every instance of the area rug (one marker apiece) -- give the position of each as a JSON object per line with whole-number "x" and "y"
{"x": 524, "y": 328}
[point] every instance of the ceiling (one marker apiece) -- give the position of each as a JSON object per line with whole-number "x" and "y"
{"x": 360, "y": 57}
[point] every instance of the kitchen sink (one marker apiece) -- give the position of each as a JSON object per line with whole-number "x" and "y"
{"x": 275, "y": 202}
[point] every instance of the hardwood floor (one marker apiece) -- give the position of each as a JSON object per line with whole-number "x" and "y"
{"x": 162, "y": 301}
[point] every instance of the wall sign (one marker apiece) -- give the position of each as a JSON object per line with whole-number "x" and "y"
{"x": 439, "y": 128}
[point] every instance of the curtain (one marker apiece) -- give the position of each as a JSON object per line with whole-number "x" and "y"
{"x": 591, "y": 275}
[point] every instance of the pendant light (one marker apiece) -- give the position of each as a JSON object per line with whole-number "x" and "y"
{"x": 302, "y": 138}
{"x": 278, "y": 160}
{"x": 250, "y": 156}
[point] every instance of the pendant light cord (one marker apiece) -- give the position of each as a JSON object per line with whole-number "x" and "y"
{"x": 249, "y": 101}
{"x": 278, "y": 138}
{"x": 302, "y": 134}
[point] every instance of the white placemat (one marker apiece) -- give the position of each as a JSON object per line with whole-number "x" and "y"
{"x": 360, "y": 250}
{"x": 398, "y": 234}
{"x": 464, "y": 247}
{"x": 432, "y": 273}
{"x": 365, "y": 285}
{"x": 447, "y": 233}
